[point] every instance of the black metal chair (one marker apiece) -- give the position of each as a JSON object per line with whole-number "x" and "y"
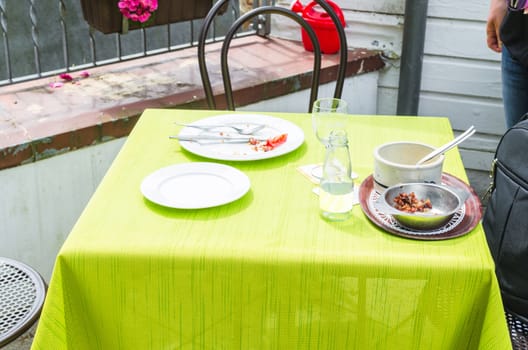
{"x": 22, "y": 293}
{"x": 518, "y": 327}
{"x": 220, "y": 6}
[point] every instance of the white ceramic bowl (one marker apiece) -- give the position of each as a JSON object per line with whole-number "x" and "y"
{"x": 395, "y": 163}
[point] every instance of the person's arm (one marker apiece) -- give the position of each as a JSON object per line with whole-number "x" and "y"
{"x": 496, "y": 15}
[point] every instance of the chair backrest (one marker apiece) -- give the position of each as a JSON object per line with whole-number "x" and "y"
{"x": 250, "y": 15}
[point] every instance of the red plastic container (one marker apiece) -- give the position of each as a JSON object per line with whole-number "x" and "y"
{"x": 322, "y": 24}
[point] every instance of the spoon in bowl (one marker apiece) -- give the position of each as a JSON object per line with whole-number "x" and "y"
{"x": 442, "y": 149}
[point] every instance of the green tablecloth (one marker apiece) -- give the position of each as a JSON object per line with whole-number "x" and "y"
{"x": 264, "y": 272}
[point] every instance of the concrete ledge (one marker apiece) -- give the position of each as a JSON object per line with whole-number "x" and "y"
{"x": 38, "y": 121}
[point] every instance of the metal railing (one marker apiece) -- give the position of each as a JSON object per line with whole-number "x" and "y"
{"x": 42, "y": 38}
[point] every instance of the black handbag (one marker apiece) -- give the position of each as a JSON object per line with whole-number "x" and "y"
{"x": 514, "y": 35}
{"x": 505, "y": 220}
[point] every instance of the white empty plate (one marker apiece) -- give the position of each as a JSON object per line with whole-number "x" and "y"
{"x": 195, "y": 185}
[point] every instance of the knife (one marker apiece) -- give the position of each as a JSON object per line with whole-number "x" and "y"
{"x": 215, "y": 139}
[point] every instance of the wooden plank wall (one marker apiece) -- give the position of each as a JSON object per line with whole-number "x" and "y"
{"x": 460, "y": 76}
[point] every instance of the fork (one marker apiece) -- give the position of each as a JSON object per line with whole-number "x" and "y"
{"x": 248, "y": 130}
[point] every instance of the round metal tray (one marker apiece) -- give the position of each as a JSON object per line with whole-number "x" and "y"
{"x": 462, "y": 222}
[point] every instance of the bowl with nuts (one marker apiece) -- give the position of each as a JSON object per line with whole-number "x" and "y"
{"x": 421, "y": 206}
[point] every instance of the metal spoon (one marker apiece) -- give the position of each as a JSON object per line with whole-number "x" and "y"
{"x": 442, "y": 149}
{"x": 247, "y": 130}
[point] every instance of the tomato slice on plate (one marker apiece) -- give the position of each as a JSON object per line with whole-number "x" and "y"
{"x": 277, "y": 140}
{"x": 269, "y": 144}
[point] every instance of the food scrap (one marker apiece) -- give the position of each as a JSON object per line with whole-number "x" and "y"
{"x": 408, "y": 202}
{"x": 269, "y": 144}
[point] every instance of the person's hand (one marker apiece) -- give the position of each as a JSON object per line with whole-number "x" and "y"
{"x": 496, "y": 14}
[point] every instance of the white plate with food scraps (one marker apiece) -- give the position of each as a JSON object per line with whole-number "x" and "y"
{"x": 245, "y": 151}
{"x": 195, "y": 185}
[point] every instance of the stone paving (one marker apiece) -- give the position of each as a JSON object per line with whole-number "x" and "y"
{"x": 24, "y": 341}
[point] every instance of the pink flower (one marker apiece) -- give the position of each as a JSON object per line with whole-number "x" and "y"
{"x": 137, "y": 10}
{"x": 55, "y": 85}
{"x": 65, "y": 76}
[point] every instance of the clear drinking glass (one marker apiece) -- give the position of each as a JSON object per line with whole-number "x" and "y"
{"x": 328, "y": 114}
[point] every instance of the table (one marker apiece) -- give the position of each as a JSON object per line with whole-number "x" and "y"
{"x": 264, "y": 272}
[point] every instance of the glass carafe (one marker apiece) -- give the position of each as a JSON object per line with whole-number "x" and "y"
{"x": 336, "y": 196}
